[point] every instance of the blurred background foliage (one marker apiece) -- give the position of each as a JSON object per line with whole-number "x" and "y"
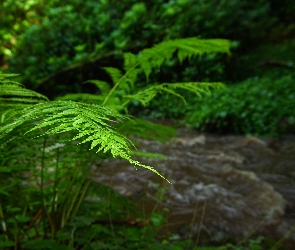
{"x": 256, "y": 106}
{"x": 57, "y": 45}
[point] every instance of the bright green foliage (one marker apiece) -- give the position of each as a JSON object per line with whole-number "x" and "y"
{"x": 42, "y": 162}
{"x": 90, "y": 121}
{"x": 256, "y": 106}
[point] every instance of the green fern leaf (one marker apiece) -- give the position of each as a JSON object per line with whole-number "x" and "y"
{"x": 103, "y": 86}
{"x": 130, "y": 61}
{"x": 146, "y": 95}
{"x": 13, "y": 94}
{"x": 114, "y": 73}
{"x": 130, "y": 67}
{"x": 90, "y": 122}
{"x": 154, "y": 57}
{"x": 4, "y": 76}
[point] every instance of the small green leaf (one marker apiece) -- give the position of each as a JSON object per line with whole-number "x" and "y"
{"x": 157, "y": 219}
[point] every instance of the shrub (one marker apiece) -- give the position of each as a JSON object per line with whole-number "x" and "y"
{"x": 256, "y": 106}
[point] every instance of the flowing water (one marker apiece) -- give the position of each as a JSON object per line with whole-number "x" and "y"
{"x": 223, "y": 187}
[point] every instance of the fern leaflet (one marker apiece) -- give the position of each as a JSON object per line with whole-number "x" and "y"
{"x": 146, "y": 95}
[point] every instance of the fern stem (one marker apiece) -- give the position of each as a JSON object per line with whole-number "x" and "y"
{"x": 82, "y": 197}
{"x": 75, "y": 198}
{"x": 54, "y": 201}
{"x": 63, "y": 215}
{"x": 118, "y": 83}
{"x": 44, "y": 210}
{"x": 201, "y": 224}
{"x": 125, "y": 104}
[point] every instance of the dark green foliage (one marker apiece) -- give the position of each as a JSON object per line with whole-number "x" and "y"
{"x": 257, "y": 106}
{"x": 67, "y": 42}
{"x": 283, "y": 10}
{"x": 273, "y": 60}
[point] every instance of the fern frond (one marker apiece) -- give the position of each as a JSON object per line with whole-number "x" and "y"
{"x": 151, "y": 58}
{"x": 154, "y": 57}
{"x": 186, "y": 48}
{"x": 137, "y": 163}
{"x": 103, "y": 86}
{"x": 90, "y": 122}
{"x": 199, "y": 88}
{"x": 114, "y": 73}
{"x": 13, "y": 94}
{"x": 130, "y": 66}
{"x": 19, "y": 92}
{"x": 130, "y": 61}
{"x": 123, "y": 84}
{"x": 4, "y": 76}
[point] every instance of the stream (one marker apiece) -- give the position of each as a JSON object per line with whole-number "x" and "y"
{"x": 224, "y": 188}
